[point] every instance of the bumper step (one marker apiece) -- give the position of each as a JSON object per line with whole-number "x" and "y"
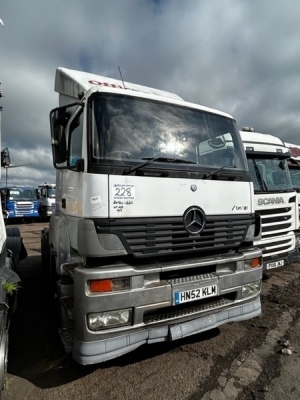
{"x": 67, "y": 339}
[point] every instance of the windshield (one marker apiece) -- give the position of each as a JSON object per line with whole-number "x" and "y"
{"x": 295, "y": 176}
{"x": 51, "y": 193}
{"x": 269, "y": 174}
{"x": 127, "y": 130}
{"x": 20, "y": 194}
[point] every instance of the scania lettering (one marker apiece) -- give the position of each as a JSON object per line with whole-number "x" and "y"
{"x": 275, "y": 199}
{"x": 266, "y": 201}
{"x": 140, "y": 248}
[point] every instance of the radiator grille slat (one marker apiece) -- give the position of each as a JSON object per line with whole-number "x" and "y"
{"x": 159, "y": 236}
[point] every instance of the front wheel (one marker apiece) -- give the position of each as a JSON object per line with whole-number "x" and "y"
{"x": 3, "y": 358}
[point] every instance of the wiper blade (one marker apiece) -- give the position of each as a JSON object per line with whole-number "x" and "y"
{"x": 219, "y": 169}
{"x": 259, "y": 176}
{"x": 151, "y": 160}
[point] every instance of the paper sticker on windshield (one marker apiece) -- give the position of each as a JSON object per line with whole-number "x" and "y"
{"x": 123, "y": 191}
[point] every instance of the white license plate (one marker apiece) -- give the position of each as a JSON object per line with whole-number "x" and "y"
{"x": 195, "y": 294}
{"x": 275, "y": 264}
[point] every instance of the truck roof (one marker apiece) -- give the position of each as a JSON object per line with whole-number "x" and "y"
{"x": 18, "y": 187}
{"x": 263, "y": 142}
{"x": 48, "y": 185}
{"x": 72, "y": 83}
{"x": 294, "y": 149}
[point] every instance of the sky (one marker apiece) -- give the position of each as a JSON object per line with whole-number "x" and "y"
{"x": 239, "y": 56}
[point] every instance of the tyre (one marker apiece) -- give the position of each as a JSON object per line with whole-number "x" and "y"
{"x": 3, "y": 357}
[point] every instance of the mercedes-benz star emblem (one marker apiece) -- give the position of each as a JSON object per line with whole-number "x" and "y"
{"x": 194, "y": 220}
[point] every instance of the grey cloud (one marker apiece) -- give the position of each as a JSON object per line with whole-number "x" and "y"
{"x": 240, "y": 57}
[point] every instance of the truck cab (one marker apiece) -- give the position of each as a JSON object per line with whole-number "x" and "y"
{"x": 294, "y": 167}
{"x": 274, "y": 196}
{"x": 152, "y": 236}
{"x": 46, "y": 194}
{"x": 20, "y": 202}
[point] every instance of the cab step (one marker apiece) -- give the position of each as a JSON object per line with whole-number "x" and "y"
{"x": 70, "y": 267}
{"x": 67, "y": 339}
{"x": 68, "y": 304}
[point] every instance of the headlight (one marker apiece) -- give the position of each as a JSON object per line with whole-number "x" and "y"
{"x": 109, "y": 319}
{"x": 251, "y": 289}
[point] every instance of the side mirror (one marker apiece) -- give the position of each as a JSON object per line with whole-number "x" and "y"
{"x": 59, "y": 118}
{"x": 5, "y": 158}
{"x": 58, "y": 137}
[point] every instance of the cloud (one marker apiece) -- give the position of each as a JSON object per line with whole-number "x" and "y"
{"x": 240, "y": 57}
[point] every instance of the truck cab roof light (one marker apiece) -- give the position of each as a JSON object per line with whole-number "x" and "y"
{"x": 248, "y": 129}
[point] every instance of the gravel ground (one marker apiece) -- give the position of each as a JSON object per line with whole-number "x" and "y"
{"x": 236, "y": 361}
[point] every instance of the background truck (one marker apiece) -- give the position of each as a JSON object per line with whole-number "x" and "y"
{"x": 46, "y": 196}
{"x": 20, "y": 202}
{"x": 12, "y": 251}
{"x": 275, "y": 197}
{"x": 141, "y": 248}
{"x": 294, "y": 167}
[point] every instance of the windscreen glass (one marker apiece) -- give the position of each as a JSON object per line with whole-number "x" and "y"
{"x": 129, "y": 130}
{"x": 19, "y": 194}
{"x": 51, "y": 193}
{"x": 269, "y": 174}
{"x": 295, "y": 176}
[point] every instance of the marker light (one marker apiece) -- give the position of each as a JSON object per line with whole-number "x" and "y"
{"x": 109, "y": 319}
{"x": 109, "y": 285}
{"x": 253, "y": 263}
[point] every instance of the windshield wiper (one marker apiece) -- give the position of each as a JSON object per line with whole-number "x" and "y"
{"x": 260, "y": 178}
{"x": 150, "y": 160}
{"x": 219, "y": 169}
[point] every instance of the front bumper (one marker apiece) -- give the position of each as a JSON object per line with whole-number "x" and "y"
{"x": 103, "y": 350}
{"x": 152, "y": 299}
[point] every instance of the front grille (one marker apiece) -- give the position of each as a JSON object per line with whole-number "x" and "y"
{"x": 276, "y": 247}
{"x": 169, "y": 313}
{"x": 275, "y": 256}
{"x": 144, "y": 237}
{"x": 276, "y": 221}
{"x": 24, "y": 208}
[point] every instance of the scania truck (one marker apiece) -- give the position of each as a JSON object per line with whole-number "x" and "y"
{"x": 152, "y": 236}
{"x": 46, "y": 196}
{"x": 294, "y": 167}
{"x": 20, "y": 202}
{"x": 275, "y": 198}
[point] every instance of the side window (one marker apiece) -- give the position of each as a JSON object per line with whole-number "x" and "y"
{"x": 75, "y": 138}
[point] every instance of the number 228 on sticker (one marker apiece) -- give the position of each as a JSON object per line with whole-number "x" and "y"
{"x": 123, "y": 191}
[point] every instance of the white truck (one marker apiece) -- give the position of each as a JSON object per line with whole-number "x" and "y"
{"x": 152, "y": 236}
{"x": 46, "y": 194}
{"x": 294, "y": 167}
{"x": 275, "y": 197}
{"x": 12, "y": 251}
